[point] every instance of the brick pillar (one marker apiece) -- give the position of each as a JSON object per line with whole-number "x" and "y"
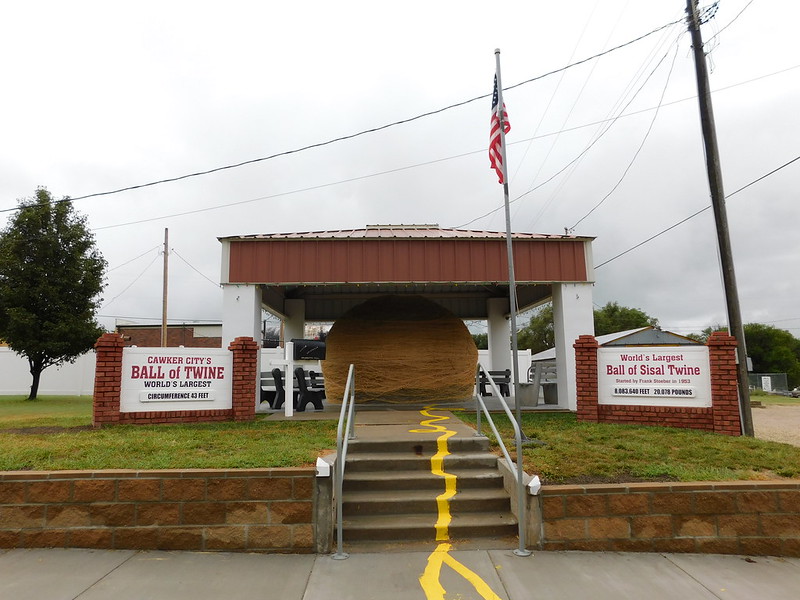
{"x": 245, "y": 364}
{"x": 107, "y": 379}
{"x": 586, "y": 377}
{"x": 724, "y": 384}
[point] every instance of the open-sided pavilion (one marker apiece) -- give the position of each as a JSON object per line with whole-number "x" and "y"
{"x": 318, "y": 276}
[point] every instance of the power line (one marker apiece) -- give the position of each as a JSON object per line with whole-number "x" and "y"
{"x": 358, "y": 134}
{"x": 430, "y": 162}
{"x": 133, "y": 259}
{"x": 692, "y": 216}
{"x": 138, "y": 277}
{"x": 158, "y": 319}
{"x": 437, "y": 160}
{"x": 616, "y": 109}
{"x": 691, "y": 327}
{"x": 577, "y": 158}
{"x": 585, "y": 60}
{"x": 612, "y": 119}
{"x": 746, "y": 6}
{"x": 214, "y": 283}
{"x": 290, "y": 192}
{"x": 555, "y": 92}
{"x": 645, "y": 110}
{"x": 619, "y": 109}
{"x": 638, "y": 150}
{"x": 782, "y": 320}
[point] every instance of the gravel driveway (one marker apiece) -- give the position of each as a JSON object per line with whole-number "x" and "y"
{"x": 777, "y": 423}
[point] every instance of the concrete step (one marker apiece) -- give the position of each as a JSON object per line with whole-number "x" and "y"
{"x": 421, "y": 480}
{"x": 393, "y": 461}
{"x": 390, "y": 492}
{"x": 419, "y": 445}
{"x": 398, "y": 502}
{"x": 506, "y": 542}
{"x": 422, "y": 526}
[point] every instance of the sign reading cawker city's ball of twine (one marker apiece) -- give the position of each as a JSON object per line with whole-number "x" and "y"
{"x": 164, "y": 379}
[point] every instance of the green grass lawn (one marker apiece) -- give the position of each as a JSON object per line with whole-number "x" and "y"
{"x": 773, "y": 399}
{"x": 45, "y": 411}
{"x": 53, "y": 433}
{"x": 591, "y": 452}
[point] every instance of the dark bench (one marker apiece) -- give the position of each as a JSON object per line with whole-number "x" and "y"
{"x": 275, "y": 397}
{"x": 311, "y": 386}
{"x": 502, "y": 380}
{"x": 310, "y": 389}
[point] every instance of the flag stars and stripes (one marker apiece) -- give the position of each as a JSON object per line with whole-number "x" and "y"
{"x": 495, "y": 141}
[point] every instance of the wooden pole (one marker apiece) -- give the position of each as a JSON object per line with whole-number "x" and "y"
{"x": 164, "y": 292}
{"x": 720, "y": 216}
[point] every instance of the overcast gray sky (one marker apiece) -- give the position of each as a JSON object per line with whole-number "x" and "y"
{"x": 103, "y": 95}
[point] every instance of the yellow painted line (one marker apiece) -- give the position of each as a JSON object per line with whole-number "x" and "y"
{"x": 430, "y": 580}
{"x": 437, "y": 468}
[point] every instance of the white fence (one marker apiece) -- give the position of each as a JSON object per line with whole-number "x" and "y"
{"x": 78, "y": 378}
{"x": 67, "y": 380}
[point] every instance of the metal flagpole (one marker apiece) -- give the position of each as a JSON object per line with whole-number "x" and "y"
{"x": 512, "y": 284}
{"x": 512, "y": 300}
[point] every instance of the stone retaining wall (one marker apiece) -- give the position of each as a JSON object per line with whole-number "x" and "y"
{"x": 234, "y": 510}
{"x": 747, "y": 517}
{"x": 273, "y": 510}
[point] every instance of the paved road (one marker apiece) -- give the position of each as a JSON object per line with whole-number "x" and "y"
{"x": 73, "y": 574}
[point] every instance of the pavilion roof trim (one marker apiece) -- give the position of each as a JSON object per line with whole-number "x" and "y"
{"x": 402, "y": 231}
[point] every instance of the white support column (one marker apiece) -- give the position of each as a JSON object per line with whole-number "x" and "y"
{"x": 499, "y": 334}
{"x": 241, "y": 316}
{"x": 241, "y": 312}
{"x": 573, "y": 315}
{"x": 295, "y": 324}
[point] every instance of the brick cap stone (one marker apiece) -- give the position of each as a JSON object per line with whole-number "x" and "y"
{"x": 721, "y": 338}
{"x": 243, "y": 343}
{"x": 586, "y": 341}
{"x": 110, "y": 340}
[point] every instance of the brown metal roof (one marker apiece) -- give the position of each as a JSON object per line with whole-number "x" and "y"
{"x": 460, "y": 269}
{"x": 427, "y": 231}
{"x": 309, "y": 260}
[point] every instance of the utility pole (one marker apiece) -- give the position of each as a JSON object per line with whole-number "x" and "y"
{"x": 164, "y": 292}
{"x": 720, "y": 216}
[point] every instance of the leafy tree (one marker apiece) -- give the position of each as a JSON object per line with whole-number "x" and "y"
{"x": 481, "y": 340}
{"x": 703, "y": 336}
{"x": 51, "y": 275}
{"x": 772, "y": 350}
{"x": 539, "y": 334}
{"x": 613, "y": 318}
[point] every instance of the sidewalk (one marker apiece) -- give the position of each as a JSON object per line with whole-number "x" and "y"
{"x": 71, "y": 574}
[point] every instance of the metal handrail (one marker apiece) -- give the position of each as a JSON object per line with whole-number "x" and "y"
{"x": 347, "y": 413}
{"x": 480, "y": 404}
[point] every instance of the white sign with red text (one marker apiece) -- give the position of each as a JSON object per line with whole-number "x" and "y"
{"x": 162, "y": 379}
{"x": 654, "y": 376}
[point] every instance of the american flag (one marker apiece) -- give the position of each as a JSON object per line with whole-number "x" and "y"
{"x": 495, "y": 143}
